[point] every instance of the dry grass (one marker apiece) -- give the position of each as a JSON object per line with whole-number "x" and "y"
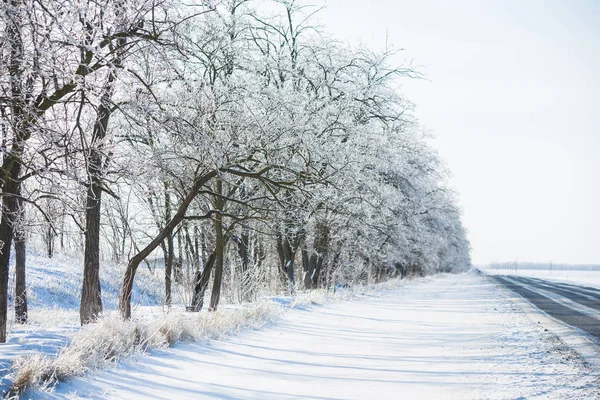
{"x": 110, "y": 339}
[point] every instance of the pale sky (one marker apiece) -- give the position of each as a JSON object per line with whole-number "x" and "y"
{"x": 512, "y": 96}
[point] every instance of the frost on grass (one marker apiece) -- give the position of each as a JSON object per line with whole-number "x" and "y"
{"x": 110, "y": 339}
{"x": 102, "y": 344}
{"x": 30, "y": 371}
{"x": 56, "y": 282}
{"x": 322, "y": 296}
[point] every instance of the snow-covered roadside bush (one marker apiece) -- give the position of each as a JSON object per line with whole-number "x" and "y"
{"x": 323, "y": 296}
{"x": 346, "y": 292}
{"x": 30, "y": 371}
{"x": 104, "y": 343}
{"x": 110, "y": 339}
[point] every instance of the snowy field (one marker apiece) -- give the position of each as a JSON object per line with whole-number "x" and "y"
{"x": 56, "y": 283}
{"x": 575, "y": 277}
{"x": 447, "y": 337}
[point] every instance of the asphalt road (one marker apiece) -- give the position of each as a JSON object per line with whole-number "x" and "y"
{"x": 586, "y": 296}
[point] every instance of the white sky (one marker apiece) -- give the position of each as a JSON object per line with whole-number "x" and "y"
{"x": 512, "y": 96}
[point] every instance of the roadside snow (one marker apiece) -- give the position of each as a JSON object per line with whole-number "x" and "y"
{"x": 452, "y": 336}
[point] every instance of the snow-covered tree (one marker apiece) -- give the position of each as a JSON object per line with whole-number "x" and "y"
{"x": 234, "y": 137}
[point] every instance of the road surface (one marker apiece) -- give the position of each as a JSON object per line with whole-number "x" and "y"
{"x": 578, "y": 306}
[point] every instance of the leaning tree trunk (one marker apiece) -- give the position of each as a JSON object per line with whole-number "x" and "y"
{"x": 20, "y": 277}
{"x": 219, "y": 248}
{"x": 201, "y": 283}
{"x": 134, "y": 262}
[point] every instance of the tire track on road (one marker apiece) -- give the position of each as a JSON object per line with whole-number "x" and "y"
{"x": 571, "y": 295}
{"x": 556, "y": 310}
{"x": 584, "y": 290}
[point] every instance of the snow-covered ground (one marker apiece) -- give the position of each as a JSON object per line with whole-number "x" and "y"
{"x": 56, "y": 283}
{"x": 584, "y": 278}
{"x": 54, "y": 289}
{"x": 446, "y": 337}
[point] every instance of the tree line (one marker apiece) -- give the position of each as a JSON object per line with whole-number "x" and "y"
{"x": 227, "y": 138}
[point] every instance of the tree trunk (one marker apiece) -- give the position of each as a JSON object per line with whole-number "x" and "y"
{"x": 244, "y": 253}
{"x": 11, "y": 166}
{"x": 91, "y": 296}
{"x": 197, "y": 249}
{"x": 49, "y": 241}
{"x": 201, "y": 283}
{"x": 169, "y": 270}
{"x": 243, "y": 247}
{"x": 170, "y": 249}
{"x": 10, "y": 191}
{"x": 190, "y": 255}
{"x": 134, "y": 262}
{"x": 259, "y": 254}
{"x": 308, "y": 268}
{"x": 178, "y": 261}
{"x": 286, "y": 250}
{"x": 326, "y": 271}
{"x": 62, "y": 231}
{"x": 20, "y": 277}
{"x": 91, "y": 301}
{"x": 322, "y": 250}
{"x": 219, "y": 248}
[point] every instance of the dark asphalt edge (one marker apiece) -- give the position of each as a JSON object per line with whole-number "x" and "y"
{"x": 583, "y": 345}
{"x": 572, "y": 295}
{"x": 593, "y": 339}
{"x": 585, "y": 290}
{"x": 556, "y": 287}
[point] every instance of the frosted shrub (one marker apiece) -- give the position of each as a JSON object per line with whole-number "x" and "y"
{"x": 30, "y": 371}
{"x": 169, "y": 330}
{"x": 94, "y": 345}
{"x": 310, "y": 297}
{"x": 217, "y": 324}
{"x": 323, "y": 296}
{"x": 392, "y": 284}
{"x": 110, "y": 339}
